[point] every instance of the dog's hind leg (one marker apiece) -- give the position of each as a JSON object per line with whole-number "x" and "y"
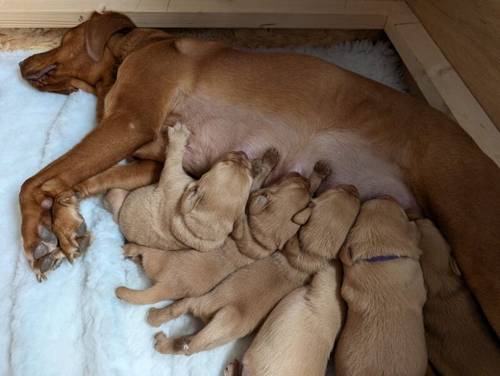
{"x": 224, "y": 327}
{"x": 158, "y": 316}
{"x": 153, "y": 294}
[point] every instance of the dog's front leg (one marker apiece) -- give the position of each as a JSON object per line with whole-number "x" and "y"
{"x": 51, "y": 189}
{"x": 173, "y": 172}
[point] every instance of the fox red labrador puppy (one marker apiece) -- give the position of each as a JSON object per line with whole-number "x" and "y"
{"x": 378, "y": 139}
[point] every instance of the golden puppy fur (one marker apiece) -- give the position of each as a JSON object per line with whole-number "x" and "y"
{"x": 384, "y": 291}
{"x": 238, "y": 304}
{"x": 298, "y": 336}
{"x": 180, "y": 212}
{"x": 458, "y": 340}
{"x": 274, "y": 216}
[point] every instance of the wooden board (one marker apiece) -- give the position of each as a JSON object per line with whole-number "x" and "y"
{"x": 334, "y": 14}
{"x": 468, "y": 34}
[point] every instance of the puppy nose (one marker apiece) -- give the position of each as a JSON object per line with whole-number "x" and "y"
{"x": 351, "y": 189}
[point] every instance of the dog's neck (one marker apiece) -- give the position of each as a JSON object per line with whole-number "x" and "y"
{"x": 123, "y": 44}
{"x": 250, "y": 242}
{"x": 300, "y": 259}
{"x": 185, "y": 235}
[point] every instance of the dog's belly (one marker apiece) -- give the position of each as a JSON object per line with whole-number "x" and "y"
{"x": 218, "y": 128}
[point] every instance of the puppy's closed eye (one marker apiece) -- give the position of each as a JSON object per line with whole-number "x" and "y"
{"x": 192, "y": 196}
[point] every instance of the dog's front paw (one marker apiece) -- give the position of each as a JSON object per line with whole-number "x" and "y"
{"x": 69, "y": 226}
{"x": 178, "y": 134}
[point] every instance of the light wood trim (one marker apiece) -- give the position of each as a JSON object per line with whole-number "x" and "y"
{"x": 441, "y": 84}
{"x": 333, "y": 14}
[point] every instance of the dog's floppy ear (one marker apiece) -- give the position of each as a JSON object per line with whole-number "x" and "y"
{"x": 454, "y": 267}
{"x": 345, "y": 255}
{"x": 302, "y": 216}
{"x": 238, "y": 230}
{"x": 100, "y": 28}
{"x": 190, "y": 198}
{"x": 257, "y": 204}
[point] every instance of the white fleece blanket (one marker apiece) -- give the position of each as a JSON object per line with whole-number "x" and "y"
{"x": 72, "y": 324}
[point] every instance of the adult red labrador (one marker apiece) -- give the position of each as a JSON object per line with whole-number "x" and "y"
{"x": 382, "y": 141}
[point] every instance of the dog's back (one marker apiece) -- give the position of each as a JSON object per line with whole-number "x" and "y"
{"x": 298, "y": 336}
{"x": 384, "y": 290}
{"x": 458, "y": 340}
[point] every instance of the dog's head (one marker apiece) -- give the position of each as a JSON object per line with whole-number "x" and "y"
{"x": 334, "y": 213}
{"x": 210, "y": 206}
{"x": 81, "y": 60}
{"x": 382, "y": 230}
{"x": 436, "y": 259}
{"x": 275, "y": 213}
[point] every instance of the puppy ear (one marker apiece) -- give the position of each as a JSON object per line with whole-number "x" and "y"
{"x": 100, "y": 28}
{"x": 414, "y": 232}
{"x": 454, "y": 267}
{"x": 345, "y": 255}
{"x": 302, "y": 216}
{"x": 190, "y": 198}
{"x": 238, "y": 229}
{"x": 258, "y": 204}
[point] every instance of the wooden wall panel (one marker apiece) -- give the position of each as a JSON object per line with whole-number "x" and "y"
{"x": 468, "y": 33}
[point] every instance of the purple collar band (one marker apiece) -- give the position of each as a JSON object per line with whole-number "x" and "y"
{"x": 383, "y": 258}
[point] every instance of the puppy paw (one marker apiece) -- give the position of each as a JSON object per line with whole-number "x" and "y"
{"x": 133, "y": 252}
{"x": 178, "y": 134}
{"x": 322, "y": 168}
{"x": 163, "y": 344}
{"x": 233, "y": 368}
{"x": 271, "y": 157}
{"x": 121, "y": 293}
{"x": 155, "y": 317}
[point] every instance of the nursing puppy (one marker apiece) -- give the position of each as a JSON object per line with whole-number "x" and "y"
{"x": 384, "y": 291}
{"x": 182, "y": 213}
{"x": 274, "y": 215}
{"x": 298, "y": 335}
{"x": 238, "y": 304}
{"x": 458, "y": 340}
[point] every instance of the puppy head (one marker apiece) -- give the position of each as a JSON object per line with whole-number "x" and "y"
{"x": 211, "y": 205}
{"x": 333, "y": 214}
{"x": 275, "y": 213}
{"x": 382, "y": 229}
{"x": 436, "y": 255}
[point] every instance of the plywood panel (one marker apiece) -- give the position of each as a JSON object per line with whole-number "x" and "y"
{"x": 468, "y": 33}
